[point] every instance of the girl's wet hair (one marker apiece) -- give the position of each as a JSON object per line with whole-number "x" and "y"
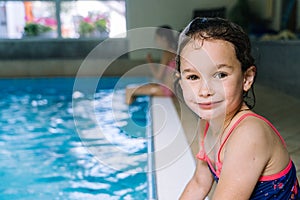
{"x": 218, "y": 29}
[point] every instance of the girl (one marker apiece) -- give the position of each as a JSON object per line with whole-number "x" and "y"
{"x": 240, "y": 150}
{"x": 165, "y": 39}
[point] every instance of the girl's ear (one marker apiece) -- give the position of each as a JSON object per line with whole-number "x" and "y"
{"x": 177, "y": 76}
{"x": 249, "y": 77}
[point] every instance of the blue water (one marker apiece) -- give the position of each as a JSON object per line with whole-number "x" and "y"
{"x": 56, "y": 143}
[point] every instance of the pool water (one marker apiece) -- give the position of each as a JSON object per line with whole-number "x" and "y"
{"x": 46, "y": 154}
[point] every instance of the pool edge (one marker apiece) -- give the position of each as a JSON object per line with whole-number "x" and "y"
{"x": 173, "y": 159}
{"x": 151, "y": 176}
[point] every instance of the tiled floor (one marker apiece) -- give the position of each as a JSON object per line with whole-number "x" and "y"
{"x": 282, "y": 110}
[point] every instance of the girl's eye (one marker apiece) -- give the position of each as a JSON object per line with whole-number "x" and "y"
{"x": 220, "y": 75}
{"x": 192, "y": 77}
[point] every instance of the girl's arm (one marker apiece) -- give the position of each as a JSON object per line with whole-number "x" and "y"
{"x": 200, "y": 184}
{"x": 245, "y": 157}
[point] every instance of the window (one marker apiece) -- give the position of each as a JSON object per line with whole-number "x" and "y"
{"x": 63, "y": 19}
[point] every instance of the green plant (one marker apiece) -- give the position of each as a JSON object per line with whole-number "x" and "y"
{"x": 101, "y": 25}
{"x": 34, "y": 29}
{"x": 85, "y": 28}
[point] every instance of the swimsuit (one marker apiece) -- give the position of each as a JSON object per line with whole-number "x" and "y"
{"x": 282, "y": 186}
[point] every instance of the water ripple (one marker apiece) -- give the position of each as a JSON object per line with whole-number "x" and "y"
{"x": 43, "y": 157}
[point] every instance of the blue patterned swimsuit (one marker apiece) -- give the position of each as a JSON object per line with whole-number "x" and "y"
{"x": 281, "y": 186}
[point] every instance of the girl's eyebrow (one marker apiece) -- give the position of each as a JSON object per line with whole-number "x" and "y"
{"x": 187, "y": 70}
{"x": 220, "y": 66}
{"x": 224, "y": 66}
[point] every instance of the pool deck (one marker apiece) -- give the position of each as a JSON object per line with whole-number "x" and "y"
{"x": 179, "y": 137}
{"x": 174, "y": 161}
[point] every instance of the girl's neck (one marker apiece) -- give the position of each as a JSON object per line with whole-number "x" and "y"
{"x": 220, "y": 124}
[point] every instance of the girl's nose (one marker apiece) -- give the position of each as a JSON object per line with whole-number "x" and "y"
{"x": 205, "y": 90}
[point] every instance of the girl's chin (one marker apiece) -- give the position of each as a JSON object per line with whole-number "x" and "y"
{"x": 209, "y": 115}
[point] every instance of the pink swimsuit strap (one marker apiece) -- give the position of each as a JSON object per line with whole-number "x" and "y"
{"x": 202, "y": 154}
{"x": 237, "y": 123}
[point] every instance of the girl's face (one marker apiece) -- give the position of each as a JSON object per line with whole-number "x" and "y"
{"x": 212, "y": 80}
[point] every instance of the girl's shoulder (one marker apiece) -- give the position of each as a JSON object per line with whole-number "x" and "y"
{"x": 251, "y": 128}
{"x": 256, "y": 128}
{"x": 253, "y": 123}
{"x": 248, "y": 138}
{"x": 259, "y": 139}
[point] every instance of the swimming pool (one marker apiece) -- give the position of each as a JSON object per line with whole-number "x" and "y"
{"x": 45, "y": 155}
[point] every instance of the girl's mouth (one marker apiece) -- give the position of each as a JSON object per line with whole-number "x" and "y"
{"x": 208, "y": 105}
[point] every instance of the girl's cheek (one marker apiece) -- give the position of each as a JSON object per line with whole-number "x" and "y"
{"x": 188, "y": 92}
{"x": 185, "y": 88}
